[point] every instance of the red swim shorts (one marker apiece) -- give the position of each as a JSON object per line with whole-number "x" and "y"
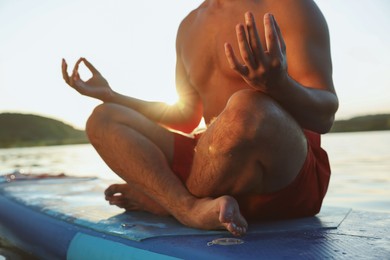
{"x": 302, "y": 198}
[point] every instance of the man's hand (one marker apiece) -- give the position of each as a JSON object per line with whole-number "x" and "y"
{"x": 263, "y": 70}
{"x": 95, "y": 87}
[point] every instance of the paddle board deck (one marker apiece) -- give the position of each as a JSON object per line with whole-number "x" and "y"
{"x": 68, "y": 218}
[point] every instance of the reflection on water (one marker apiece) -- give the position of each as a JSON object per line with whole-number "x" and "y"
{"x": 76, "y": 160}
{"x": 360, "y": 166}
{"x": 360, "y": 170}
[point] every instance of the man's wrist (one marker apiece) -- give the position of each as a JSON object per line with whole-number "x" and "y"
{"x": 277, "y": 89}
{"x": 109, "y": 96}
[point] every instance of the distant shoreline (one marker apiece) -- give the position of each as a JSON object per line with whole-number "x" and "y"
{"x": 42, "y": 144}
{"x": 27, "y": 130}
{"x": 379, "y": 122}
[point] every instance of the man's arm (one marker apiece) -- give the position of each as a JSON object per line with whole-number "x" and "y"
{"x": 184, "y": 116}
{"x": 305, "y": 89}
{"x": 310, "y": 81}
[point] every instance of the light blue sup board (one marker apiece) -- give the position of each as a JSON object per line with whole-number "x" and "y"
{"x": 68, "y": 218}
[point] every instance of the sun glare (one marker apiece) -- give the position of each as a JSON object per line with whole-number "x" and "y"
{"x": 171, "y": 99}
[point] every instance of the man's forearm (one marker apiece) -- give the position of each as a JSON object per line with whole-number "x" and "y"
{"x": 313, "y": 109}
{"x": 171, "y": 116}
{"x": 152, "y": 110}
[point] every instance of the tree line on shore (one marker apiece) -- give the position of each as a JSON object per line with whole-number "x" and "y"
{"x": 378, "y": 122}
{"x": 20, "y": 130}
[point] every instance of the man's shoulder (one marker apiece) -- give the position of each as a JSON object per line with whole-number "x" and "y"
{"x": 189, "y": 19}
{"x": 293, "y": 8}
{"x": 298, "y": 15}
{"x": 188, "y": 22}
{"x": 294, "y": 4}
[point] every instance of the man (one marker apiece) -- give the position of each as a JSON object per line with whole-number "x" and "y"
{"x": 266, "y": 95}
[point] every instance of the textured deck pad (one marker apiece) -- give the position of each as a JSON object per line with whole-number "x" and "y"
{"x": 81, "y": 201}
{"x": 328, "y": 218}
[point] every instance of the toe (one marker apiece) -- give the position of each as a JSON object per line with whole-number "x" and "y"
{"x": 234, "y": 229}
{"x": 113, "y": 189}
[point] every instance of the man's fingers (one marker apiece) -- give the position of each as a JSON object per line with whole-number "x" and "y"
{"x": 254, "y": 39}
{"x": 74, "y": 80}
{"x": 64, "y": 67}
{"x": 271, "y": 36}
{"x": 75, "y": 73}
{"x": 90, "y": 66}
{"x": 233, "y": 61}
{"x": 281, "y": 40}
{"x": 245, "y": 50}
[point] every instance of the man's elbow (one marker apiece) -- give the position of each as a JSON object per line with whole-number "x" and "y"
{"x": 326, "y": 125}
{"x": 328, "y": 117}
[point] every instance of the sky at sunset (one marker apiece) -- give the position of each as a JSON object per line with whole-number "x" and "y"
{"x": 132, "y": 43}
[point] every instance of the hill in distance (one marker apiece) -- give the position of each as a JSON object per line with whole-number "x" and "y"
{"x": 18, "y": 130}
{"x": 378, "y": 122}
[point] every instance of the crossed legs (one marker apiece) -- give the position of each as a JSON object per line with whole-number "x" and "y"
{"x": 139, "y": 151}
{"x": 235, "y": 155}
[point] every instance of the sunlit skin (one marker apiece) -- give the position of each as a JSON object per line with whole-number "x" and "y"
{"x": 259, "y": 85}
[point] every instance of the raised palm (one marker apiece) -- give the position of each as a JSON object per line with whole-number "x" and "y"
{"x": 263, "y": 69}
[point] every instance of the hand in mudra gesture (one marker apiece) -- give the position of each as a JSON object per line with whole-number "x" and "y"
{"x": 95, "y": 87}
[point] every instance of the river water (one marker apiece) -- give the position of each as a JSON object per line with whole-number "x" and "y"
{"x": 360, "y": 165}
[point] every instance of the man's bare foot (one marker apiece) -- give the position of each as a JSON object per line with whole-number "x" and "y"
{"x": 207, "y": 213}
{"x": 219, "y": 213}
{"x": 128, "y": 198}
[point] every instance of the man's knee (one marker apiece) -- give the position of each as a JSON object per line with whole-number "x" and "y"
{"x": 251, "y": 124}
{"x": 226, "y": 155}
{"x": 272, "y": 134}
{"x": 251, "y": 115}
{"x": 98, "y": 121}
{"x": 242, "y": 144}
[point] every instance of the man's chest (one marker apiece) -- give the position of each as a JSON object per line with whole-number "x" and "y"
{"x": 203, "y": 54}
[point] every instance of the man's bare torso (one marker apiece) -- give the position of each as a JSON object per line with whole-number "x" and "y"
{"x": 201, "y": 45}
